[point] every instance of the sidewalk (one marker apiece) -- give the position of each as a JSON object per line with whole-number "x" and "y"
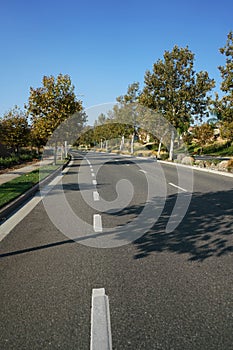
{"x": 13, "y": 173}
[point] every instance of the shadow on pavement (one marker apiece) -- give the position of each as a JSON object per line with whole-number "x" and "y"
{"x": 206, "y": 230}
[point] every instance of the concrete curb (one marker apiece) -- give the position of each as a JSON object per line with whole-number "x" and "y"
{"x": 216, "y": 172}
{"x": 7, "y": 210}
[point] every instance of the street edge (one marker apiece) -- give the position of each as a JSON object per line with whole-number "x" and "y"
{"x": 10, "y": 208}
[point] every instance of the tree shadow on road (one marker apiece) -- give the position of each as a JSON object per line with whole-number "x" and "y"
{"x": 205, "y": 231}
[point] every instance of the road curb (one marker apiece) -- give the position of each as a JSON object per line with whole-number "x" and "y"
{"x": 206, "y": 170}
{"x": 7, "y": 210}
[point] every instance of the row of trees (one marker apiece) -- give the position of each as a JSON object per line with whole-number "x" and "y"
{"x": 176, "y": 93}
{"x": 48, "y": 106}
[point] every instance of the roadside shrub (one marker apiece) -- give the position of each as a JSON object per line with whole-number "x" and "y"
{"x": 8, "y": 161}
{"x": 163, "y": 156}
{"x": 26, "y": 157}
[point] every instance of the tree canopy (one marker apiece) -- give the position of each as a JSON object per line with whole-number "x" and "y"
{"x": 175, "y": 90}
{"x": 52, "y": 104}
{"x": 14, "y": 129}
{"x": 224, "y": 106}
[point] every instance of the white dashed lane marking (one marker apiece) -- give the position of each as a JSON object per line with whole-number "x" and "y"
{"x": 179, "y": 188}
{"x": 101, "y": 338}
{"x": 97, "y": 223}
{"x": 96, "y": 196}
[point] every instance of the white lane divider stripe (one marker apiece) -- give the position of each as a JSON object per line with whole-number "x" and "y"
{"x": 97, "y": 223}
{"x": 101, "y": 338}
{"x": 94, "y": 182}
{"x": 92, "y": 174}
{"x": 96, "y": 196}
{"x": 180, "y": 188}
{"x": 143, "y": 171}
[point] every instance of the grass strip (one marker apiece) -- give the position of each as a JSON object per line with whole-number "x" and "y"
{"x": 14, "y": 188}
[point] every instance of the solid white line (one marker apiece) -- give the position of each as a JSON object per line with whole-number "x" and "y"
{"x": 101, "y": 338}
{"x": 94, "y": 182}
{"x": 96, "y": 196}
{"x": 180, "y": 188}
{"x": 97, "y": 223}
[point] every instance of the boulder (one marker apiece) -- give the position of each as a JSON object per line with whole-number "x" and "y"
{"x": 180, "y": 157}
{"x": 187, "y": 160}
{"x": 223, "y": 166}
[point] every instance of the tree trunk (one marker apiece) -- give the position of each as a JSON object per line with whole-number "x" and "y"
{"x": 171, "y": 146}
{"x": 122, "y": 143}
{"x": 55, "y": 154}
{"x": 132, "y": 144}
{"x": 66, "y": 151}
{"x": 159, "y": 149}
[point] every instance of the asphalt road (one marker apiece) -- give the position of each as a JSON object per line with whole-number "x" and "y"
{"x": 168, "y": 289}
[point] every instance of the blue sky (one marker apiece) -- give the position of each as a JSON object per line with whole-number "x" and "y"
{"x": 103, "y": 45}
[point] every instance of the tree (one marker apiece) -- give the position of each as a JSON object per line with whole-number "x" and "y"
{"x": 101, "y": 119}
{"x": 204, "y": 134}
{"x": 52, "y": 104}
{"x": 176, "y": 91}
{"x": 15, "y": 129}
{"x": 126, "y": 113}
{"x": 223, "y": 107}
{"x": 226, "y": 130}
{"x": 86, "y": 137}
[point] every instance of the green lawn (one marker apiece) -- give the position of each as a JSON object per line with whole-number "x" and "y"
{"x": 215, "y": 149}
{"x": 14, "y": 188}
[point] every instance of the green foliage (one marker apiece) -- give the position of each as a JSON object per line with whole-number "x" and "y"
{"x": 163, "y": 156}
{"x": 226, "y": 130}
{"x": 86, "y": 137}
{"x": 126, "y": 112}
{"x": 110, "y": 130}
{"x": 131, "y": 96}
{"x": 214, "y": 149}
{"x": 175, "y": 90}
{"x": 101, "y": 119}
{"x": 7, "y": 162}
{"x": 15, "y": 159}
{"x": 224, "y": 106}
{"x": 204, "y": 133}
{"x": 14, "y": 129}
{"x": 52, "y": 104}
